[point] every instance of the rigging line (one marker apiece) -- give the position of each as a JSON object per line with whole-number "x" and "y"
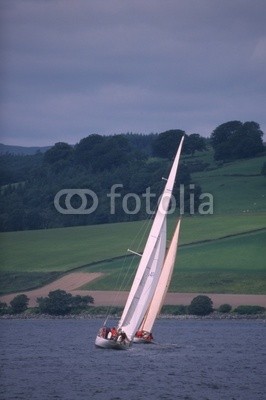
{"x": 115, "y": 298}
{"x": 146, "y": 225}
{"x": 112, "y": 305}
{"x": 143, "y": 232}
{"x": 114, "y": 301}
{"x": 129, "y": 272}
{"x": 120, "y": 283}
{"x": 125, "y": 278}
{"x": 143, "y": 229}
{"x": 146, "y": 228}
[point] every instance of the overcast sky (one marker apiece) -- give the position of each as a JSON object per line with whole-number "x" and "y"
{"x": 71, "y": 68}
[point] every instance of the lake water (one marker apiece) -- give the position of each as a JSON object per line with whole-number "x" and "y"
{"x": 192, "y": 360}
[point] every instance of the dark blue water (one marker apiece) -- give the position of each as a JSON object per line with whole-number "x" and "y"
{"x": 194, "y": 359}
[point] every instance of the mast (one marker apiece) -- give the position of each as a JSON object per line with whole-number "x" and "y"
{"x": 151, "y": 262}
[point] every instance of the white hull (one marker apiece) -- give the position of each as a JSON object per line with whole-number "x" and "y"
{"x": 111, "y": 344}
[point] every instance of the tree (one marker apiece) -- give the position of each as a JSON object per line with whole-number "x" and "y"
{"x": 88, "y": 148}
{"x": 195, "y": 142}
{"x": 166, "y": 143}
{"x": 60, "y": 151}
{"x": 247, "y": 141}
{"x": 225, "y": 308}
{"x": 224, "y": 132}
{"x": 81, "y": 302}
{"x": 235, "y": 139}
{"x": 58, "y": 302}
{"x": 19, "y": 304}
{"x": 113, "y": 152}
{"x": 200, "y": 305}
{"x": 104, "y": 152}
{"x": 141, "y": 143}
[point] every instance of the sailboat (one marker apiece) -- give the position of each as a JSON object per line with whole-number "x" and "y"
{"x": 144, "y": 334}
{"x": 147, "y": 276}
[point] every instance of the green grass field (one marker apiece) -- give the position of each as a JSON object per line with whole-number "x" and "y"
{"x": 237, "y": 187}
{"x": 68, "y": 248}
{"x": 227, "y": 254}
{"x": 33, "y": 258}
{"x": 230, "y": 265}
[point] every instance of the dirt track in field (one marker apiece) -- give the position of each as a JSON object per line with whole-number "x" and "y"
{"x": 119, "y": 299}
{"x": 68, "y": 282}
{"x": 73, "y": 281}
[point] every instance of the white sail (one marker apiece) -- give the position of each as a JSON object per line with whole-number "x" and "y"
{"x": 151, "y": 262}
{"x": 163, "y": 284}
{"x": 145, "y": 288}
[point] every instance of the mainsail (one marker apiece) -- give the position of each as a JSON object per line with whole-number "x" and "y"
{"x": 150, "y": 266}
{"x": 163, "y": 284}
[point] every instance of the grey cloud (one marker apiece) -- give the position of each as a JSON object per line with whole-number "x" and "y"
{"x": 71, "y": 68}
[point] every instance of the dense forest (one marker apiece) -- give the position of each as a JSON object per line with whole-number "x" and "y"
{"x": 135, "y": 163}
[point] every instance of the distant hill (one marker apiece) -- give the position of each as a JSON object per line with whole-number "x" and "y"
{"x": 21, "y": 150}
{"x": 29, "y": 183}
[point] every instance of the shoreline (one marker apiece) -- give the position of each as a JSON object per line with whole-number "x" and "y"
{"x": 215, "y": 316}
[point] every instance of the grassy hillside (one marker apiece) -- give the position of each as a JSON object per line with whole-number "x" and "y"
{"x": 237, "y": 187}
{"x": 35, "y": 257}
{"x": 68, "y": 248}
{"x": 215, "y": 263}
{"x": 230, "y": 265}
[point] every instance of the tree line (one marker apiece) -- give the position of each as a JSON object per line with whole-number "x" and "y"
{"x": 59, "y": 302}
{"x": 29, "y": 183}
{"x": 95, "y": 163}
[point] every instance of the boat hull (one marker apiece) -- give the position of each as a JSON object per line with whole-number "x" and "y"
{"x": 111, "y": 344}
{"x": 143, "y": 336}
{"x": 142, "y": 340}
